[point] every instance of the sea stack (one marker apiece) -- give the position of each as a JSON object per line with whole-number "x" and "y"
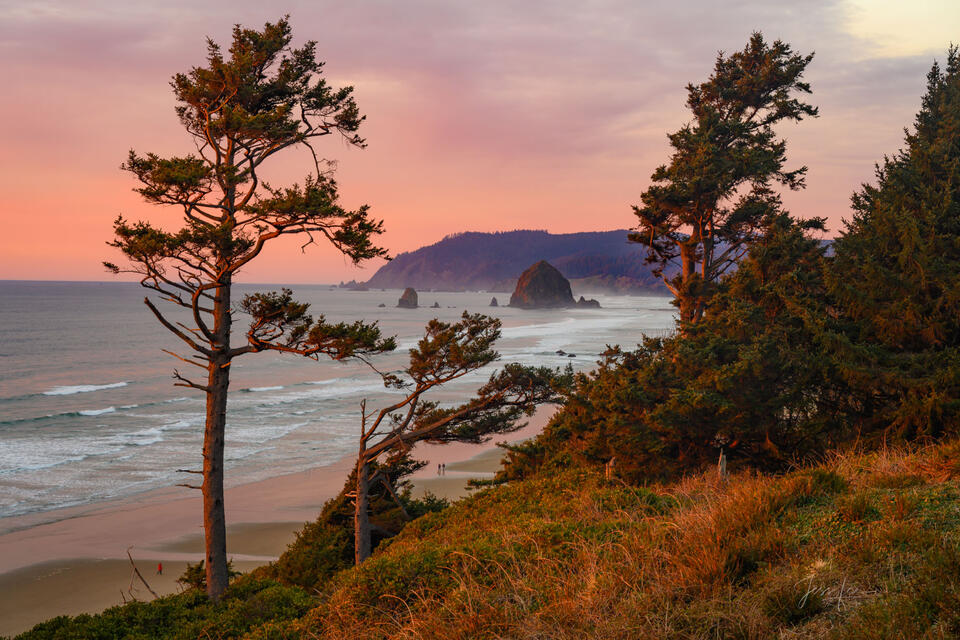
{"x": 542, "y": 287}
{"x": 408, "y": 300}
{"x": 493, "y": 302}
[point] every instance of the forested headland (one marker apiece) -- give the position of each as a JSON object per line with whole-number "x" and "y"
{"x": 601, "y": 261}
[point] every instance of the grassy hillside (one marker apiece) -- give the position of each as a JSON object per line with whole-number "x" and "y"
{"x": 861, "y": 546}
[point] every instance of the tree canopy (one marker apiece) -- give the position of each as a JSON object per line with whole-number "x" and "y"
{"x": 895, "y": 276}
{"x": 710, "y": 201}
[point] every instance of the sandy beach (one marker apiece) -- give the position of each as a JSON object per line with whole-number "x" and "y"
{"x": 74, "y": 560}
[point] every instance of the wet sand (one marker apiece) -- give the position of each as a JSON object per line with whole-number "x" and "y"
{"x": 74, "y": 560}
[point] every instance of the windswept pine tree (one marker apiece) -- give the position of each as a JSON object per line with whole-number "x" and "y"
{"x": 243, "y": 108}
{"x": 445, "y": 353}
{"x": 706, "y": 206}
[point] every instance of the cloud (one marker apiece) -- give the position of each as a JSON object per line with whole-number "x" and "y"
{"x": 481, "y": 115}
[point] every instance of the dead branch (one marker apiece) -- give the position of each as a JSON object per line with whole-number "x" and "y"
{"x": 174, "y": 330}
{"x": 185, "y": 382}
{"x": 179, "y": 357}
{"x": 139, "y": 575}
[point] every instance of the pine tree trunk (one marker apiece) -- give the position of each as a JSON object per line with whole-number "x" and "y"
{"x": 214, "y": 516}
{"x": 688, "y": 302}
{"x": 361, "y": 516}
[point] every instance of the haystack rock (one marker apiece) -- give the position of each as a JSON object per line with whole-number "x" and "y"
{"x": 493, "y": 302}
{"x": 408, "y": 300}
{"x": 542, "y": 287}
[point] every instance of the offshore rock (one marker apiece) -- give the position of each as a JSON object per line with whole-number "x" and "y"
{"x": 408, "y": 300}
{"x": 590, "y": 304}
{"x": 493, "y": 302}
{"x": 542, "y": 286}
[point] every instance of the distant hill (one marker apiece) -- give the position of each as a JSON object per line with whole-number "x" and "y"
{"x": 593, "y": 261}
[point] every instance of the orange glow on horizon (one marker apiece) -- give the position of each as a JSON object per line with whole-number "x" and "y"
{"x": 479, "y": 118}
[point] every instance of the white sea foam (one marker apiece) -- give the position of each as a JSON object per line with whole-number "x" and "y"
{"x": 291, "y": 416}
{"x": 97, "y": 412}
{"x": 82, "y": 388}
{"x": 22, "y": 455}
{"x": 140, "y": 438}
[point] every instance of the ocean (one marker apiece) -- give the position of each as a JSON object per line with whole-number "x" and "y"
{"x": 88, "y": 410}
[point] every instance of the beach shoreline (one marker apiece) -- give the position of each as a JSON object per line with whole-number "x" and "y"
{"x": 74, "y": 560}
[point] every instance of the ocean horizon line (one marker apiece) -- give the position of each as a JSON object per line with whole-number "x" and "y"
{"x": 136, "y": 282}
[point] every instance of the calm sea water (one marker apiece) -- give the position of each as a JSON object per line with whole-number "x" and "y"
{"x": 88, "y": 411}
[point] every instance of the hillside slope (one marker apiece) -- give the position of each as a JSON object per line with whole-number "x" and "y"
{"x": 863, "y": 546}
{"x": 493, "y": 261}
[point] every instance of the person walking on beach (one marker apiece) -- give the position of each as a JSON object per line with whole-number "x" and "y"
{"x": 159, "y": 568}
{"x": 438, "y": 468}
{"x": 443, "y": 469}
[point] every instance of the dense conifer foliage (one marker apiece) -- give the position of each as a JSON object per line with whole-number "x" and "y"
{"x": 749, "y": 379}
{"x": 896, "y": 275}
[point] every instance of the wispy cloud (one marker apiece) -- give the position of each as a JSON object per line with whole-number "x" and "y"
{"x": 481, "y": 115}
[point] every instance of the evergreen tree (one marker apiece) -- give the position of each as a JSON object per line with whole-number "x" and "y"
{"x": 896, "y": 276}
{"x": 705, "y": 206}
{"x": 241, "y": 110}
{"x": 753, "y": 378}
{"x": 446, "y": 353}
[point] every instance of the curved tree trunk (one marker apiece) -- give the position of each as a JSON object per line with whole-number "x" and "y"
{"x": 214, "y": 517}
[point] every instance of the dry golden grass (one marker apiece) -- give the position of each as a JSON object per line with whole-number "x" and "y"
{"x": 812, "y": 554}
{"x": 861, "y": 546}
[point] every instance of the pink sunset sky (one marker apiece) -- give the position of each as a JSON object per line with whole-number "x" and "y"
{"x": 481, "y": 116}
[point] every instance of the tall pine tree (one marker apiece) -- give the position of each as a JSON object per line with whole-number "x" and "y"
{"x": 897, "y": 275}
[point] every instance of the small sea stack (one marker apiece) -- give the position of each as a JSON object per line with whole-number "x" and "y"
{"x": 408, "y": 300}
{"x": 493, "y": 302}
